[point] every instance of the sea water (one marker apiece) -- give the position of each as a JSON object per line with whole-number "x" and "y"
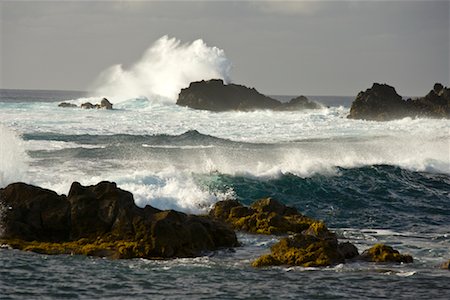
{"x": 371, "y": 182}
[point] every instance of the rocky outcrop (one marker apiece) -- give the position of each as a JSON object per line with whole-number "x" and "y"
{"x": 264, "y": 216}
{"x": 382, "y": 103}
{"x": 314, "y": 247}
{"x": 104, "y": 104}
{"x": 214, "y": 95}
{"x": 311, "y": 245}
{"x": 383, "y": 253}
{"x": 102, "y": 220}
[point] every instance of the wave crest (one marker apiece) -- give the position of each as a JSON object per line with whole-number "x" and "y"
{"x": 165, "y": 68}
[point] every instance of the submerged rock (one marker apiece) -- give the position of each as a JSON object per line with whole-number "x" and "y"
{"x": 214, "y": 95}
{"x": 264, "y": 216}
{"x": 102, "y": 220}
{"x": 383, "y": 253}
{"x": 382, "y": 103}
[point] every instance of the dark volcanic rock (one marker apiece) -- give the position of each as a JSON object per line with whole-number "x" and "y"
{"x": 382, "y": 103}
{"x": 102, "y": 220}
{"x": 88, "y": 105}
{"x": 214, "y": 95}
{"x": 106, "y": 104}
{"x": 301, "y": 102}
{"x": 67, "y": 105}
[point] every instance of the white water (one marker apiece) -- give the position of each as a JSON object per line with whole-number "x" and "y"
{"x": 303, "y": 143}
{"x": 13, "y": 159}
{"x": 165, "y": 68}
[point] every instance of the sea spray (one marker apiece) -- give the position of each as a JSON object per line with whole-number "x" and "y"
{"x": 165, "y": 68}
{"x": 13, "y": 159}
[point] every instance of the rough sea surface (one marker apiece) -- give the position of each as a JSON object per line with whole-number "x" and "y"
{"x": 371, "y": 182}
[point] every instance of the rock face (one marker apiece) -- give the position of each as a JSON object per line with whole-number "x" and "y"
{"x": 102, "y": 220}
{"x": 382, "y": 103}
{"x": 383, "y": 253}
{"x": 214, "y": 95}
{"x": 104, "y": 103}
{"x": 264, "y": 216}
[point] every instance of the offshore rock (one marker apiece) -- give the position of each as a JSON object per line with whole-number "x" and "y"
{"x": 102, "y": 220}
{"x": 104, "y": 104}
{"x": 214, "y": 95}
{"x": 67, "y": 105}
{"x": 383, "y": 253}
{"x": 264, "y": 216}
{"x": 382, "y": 103}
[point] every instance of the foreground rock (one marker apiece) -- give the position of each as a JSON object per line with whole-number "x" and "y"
{"x": 104, "y": 104}
{"x": 314, "y": 247}
{"x": 214, "y": 95}
{"x": 102, "y": 220}
{"x": 264, "y": 216}
{"x": 382, "y": 103}
{"x": 445, "y": 265}
{"x": 383, "y": 253}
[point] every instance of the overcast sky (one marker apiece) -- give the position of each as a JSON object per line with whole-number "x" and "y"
{"x": 296, "y": 47}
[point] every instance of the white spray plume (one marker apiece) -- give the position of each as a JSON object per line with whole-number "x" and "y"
{"x": 165, "y": 68}
{"x": 13, "y": 158}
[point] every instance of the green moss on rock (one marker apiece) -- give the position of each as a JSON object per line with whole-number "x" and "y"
{"x": 264, "y": 216}
{"x": 384, "y": 253}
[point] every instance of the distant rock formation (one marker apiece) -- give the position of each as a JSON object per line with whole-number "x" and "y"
{"x": 104, "y": 103}
{"x": 214, "y": 95}
{"x": 103, "y": 220}
{"x": 382, "y": 103}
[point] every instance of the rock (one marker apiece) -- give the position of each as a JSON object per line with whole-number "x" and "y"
{"x": 383, "y": 253}
{"x": 301, "y": 102}
{"x": 88, "y": 105}
{"x": 315, "y": 247}
{"x": 214, "y": 95}
{"x": 102, "y": 220}
{"x": 265, "y": 216}
{"x": 67, "y": 105}
{"x": 445, "y": 265}
{"x": 34, "y": 213}
{"x": 106, "y": 104}
{"x": 382, "y": 103}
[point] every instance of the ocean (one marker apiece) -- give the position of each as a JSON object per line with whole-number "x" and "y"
{"x": 371, "y": 182}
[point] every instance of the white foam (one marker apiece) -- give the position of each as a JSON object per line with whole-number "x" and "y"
{"x": 165, "y": 68}
{"x": 13, "y": 159}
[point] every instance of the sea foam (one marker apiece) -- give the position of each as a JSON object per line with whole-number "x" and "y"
{"x": 165, "y": 68}
{"x": 13, "y": 158}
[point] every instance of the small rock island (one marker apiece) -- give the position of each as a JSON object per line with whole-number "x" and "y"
{"x": 104, "y": 104}
{"x": 214, "y": 95}
{"x": 382, "y": 103}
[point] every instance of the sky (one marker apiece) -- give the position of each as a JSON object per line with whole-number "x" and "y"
{"x": 278, "y": 47}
